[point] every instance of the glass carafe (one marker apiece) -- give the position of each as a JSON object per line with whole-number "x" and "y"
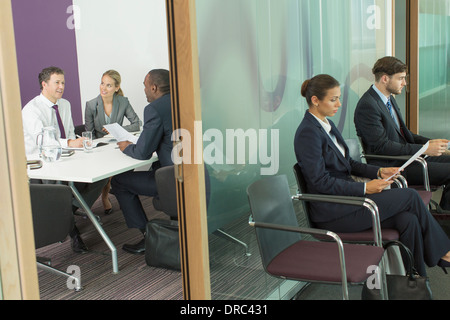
{"x": 48, "y": 143}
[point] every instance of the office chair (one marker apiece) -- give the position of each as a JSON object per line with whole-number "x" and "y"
{"x": 166, "y": 200}
{"x": 356, "y": 237}
{"x": 394, "y": 262}
{"x": 424, "y": 191}
{"x": 285, "y": 254}
{"x": 51, "y": 206}
{"x": 80, "y": 129}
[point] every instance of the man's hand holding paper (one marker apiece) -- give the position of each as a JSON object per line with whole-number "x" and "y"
{"x": 436, "y": 147}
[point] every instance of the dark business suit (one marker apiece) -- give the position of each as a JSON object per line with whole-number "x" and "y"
{"x": 94, "y": 115}
{"x": 380, "y": 135}
{"x": 327, "y": 171}
{"x": 156, "y": 136}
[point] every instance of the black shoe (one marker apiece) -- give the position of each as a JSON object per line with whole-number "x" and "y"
{"x": 444, "y": 264}
{"x": 78, "y": 245}
{"x": 137, "y": 248}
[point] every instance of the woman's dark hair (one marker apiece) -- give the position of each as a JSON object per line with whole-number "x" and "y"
{"x": 388, "y": 66}
{"x": 318, "y": 86}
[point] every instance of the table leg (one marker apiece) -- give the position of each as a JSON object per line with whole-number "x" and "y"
{"x": 97, "y": 226}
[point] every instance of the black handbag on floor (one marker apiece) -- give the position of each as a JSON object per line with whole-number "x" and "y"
{"x": 402, "y": 287}
{"x": 162, "y": 246}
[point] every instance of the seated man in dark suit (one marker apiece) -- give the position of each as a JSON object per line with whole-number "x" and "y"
{"x": 156, "y": 136}
{"x": 379, "y": 123}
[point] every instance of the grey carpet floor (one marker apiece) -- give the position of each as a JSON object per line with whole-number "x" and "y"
{"x": 233, "y": 275}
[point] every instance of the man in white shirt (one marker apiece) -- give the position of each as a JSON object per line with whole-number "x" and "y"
{"x": 50, "y": 109}
{"x": 39, "y": 112}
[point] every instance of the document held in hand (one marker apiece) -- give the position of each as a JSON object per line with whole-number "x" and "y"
{"x": 119, "y": 133}
{"x": 413, "y": 158}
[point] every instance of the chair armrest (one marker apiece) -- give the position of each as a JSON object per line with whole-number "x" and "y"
{"x": 384, "y": 157}
{"x": 420, "y": 160}
{"x": 354, "y": 201}
{"x": 310, "y": 231}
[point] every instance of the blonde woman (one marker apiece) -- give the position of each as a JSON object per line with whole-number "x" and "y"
{"x": 109, "y": 107}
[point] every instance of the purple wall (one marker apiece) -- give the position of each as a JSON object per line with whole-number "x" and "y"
{"x": 42, "y": 40}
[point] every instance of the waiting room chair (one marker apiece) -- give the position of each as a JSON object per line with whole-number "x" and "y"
{"x": 51, "y": 206}
{"x": 366, "y": 236}
{"x": 285, "y": 254}
{"x": 424, "y": 191}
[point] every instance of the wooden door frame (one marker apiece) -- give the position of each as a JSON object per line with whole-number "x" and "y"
{"x": 186, "y": 111}
{"x": 412, "y": 60}
{"x": 18, "y": 269}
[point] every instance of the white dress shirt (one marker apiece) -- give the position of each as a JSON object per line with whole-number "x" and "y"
{"x": 38, "y": 113}
{"x": 327, "y": 127}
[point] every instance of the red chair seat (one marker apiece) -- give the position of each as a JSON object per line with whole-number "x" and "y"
{"x": 319, "y": 261}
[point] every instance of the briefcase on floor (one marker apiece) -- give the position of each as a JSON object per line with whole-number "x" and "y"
{"x": 162, "y": 244}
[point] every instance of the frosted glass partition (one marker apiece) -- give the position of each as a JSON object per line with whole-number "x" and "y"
{"x": 253, "y": 57}
{"x": 434, "y": 68}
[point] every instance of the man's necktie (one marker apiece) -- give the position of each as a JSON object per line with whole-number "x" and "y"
{"x": 389, "y": 106}
{"x": 60, "y": 124}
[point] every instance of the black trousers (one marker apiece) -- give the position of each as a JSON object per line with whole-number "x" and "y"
{"x": 127, "y": 187}
{"x": 403, "y": 210}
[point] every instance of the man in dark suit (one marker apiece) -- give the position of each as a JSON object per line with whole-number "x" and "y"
{"x": 379, "y": 123}
{"x": 156, "y": 136}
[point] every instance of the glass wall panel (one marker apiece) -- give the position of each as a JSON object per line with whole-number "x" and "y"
{"x": 434, "y": 62}
{"x": 253, "y": 57}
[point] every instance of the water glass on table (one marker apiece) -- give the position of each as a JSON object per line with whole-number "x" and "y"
{"x": 88, "y": 144}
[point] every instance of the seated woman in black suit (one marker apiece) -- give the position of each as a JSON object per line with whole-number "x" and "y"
{"x": 323, "y": 157}
{"x": 110, "y": 106}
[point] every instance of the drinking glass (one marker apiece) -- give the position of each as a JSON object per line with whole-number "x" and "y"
{"x": 87, "y": 142}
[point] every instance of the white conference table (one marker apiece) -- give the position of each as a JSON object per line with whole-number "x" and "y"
{"x": 103, "y": 162}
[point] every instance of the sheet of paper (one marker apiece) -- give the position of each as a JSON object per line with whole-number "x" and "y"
{"x": 119, "y": 133}
{"x": 413, "y": 158}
